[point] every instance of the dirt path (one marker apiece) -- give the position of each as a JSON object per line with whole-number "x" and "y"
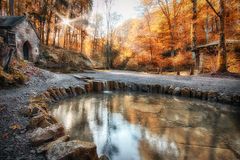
{"x": 13, "y": 141}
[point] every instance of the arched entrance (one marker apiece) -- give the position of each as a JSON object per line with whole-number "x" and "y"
{"x": 26, "y": 50}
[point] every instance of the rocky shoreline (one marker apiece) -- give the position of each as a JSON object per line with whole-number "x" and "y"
{"x": 48, "y": 136}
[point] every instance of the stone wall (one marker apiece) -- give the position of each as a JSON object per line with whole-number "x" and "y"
{"x": 25, "y": 32}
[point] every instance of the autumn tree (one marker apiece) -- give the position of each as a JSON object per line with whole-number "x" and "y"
{"x": 148, "y": 5}
{"x": 96, "y": 33}
{"x": 222, "y": 53}
{"x": 108, "y": 6}
{"x": 171, "y": 10}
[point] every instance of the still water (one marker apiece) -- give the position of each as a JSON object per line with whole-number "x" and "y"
{"x": 135, "y": 126}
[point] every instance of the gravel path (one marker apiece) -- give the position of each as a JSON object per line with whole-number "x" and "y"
{"x": 224, "y": 85}
{"x": 13, "y": 141}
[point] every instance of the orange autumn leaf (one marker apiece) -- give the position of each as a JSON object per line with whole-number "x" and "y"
{"x": 15, "y": 126}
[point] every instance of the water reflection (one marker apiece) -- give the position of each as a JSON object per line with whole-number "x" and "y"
{"x": 142, "y": 127}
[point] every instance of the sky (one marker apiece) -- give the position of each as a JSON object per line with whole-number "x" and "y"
{"x": 125, "y": 8}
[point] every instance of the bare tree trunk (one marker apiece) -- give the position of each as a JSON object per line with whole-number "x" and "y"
{"x": 222, "y": 55}
{"x": 58, "y": 42}
{"x": 18, "y": 7}
{"x": 172, "y": 41}
{"x": 206, "y": 29}
{"x": 81, "y": 41}
{"x": 68, "y": 38}
{"x": 151, "y": 50}
{"x": 64, "y": 37}
{"x": 11, "y": 7}
{"x": 194, "y": 36}
{"x": 42, "y": 30}
{"x": 49, "y": 27}
{"x": 55, "y": 32}
{"x": 1, "y": 8}
{"x": 108, "y": 5}
{"x": 148, "y": 19}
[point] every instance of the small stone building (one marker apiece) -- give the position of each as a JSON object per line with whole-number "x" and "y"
{"x": 20, "y": 34}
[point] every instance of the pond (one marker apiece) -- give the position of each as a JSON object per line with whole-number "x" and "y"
{"x": 136, "y": 126}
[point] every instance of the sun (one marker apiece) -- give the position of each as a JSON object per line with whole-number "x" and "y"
{"x": 66, "y": 21}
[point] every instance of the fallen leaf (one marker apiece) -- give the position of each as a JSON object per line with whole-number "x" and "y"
{"x": 15, "y": 126}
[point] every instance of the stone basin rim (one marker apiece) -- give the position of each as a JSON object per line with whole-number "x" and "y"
{"x": 40, "y": 103}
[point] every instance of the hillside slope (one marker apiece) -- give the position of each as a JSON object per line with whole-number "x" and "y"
{"x": 62, "y": 60}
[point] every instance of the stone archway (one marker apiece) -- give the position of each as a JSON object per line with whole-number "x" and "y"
{"x": 26, "y": 51}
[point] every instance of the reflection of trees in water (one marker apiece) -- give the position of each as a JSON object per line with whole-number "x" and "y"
{"x": 97, "y": 114}
{"x": 81, "y": 129}
{"x": 149, "y": 153}
{"x": 180, "y": 116}
{"x": 109, "y": 148}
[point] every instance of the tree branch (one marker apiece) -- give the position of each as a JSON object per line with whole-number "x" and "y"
{"x": 210, "y": 4}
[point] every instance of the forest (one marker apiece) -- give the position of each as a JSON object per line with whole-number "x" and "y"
{"x": 119, "y": 79}
{"x": 164, "y": 38}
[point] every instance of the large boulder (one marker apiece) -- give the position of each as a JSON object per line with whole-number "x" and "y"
{"x": 47, "y": 146}
{"x": 42, "y": 121}
{"x": 73, "y": 150}
{"x": 42, "y": 135}
{"x": 104, "y": 157}
{"x": 36, "y": 110}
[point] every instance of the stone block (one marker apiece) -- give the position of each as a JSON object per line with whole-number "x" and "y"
{"x": 177, "y": 91}
{"x": 76, "y": 150}
{"x": 98, "y": 86}
{"x": 212, "y": 96}
{"x": 42, "y": 135}
{"x": 185, "y": 92}
{"x": 47, "y": 146}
